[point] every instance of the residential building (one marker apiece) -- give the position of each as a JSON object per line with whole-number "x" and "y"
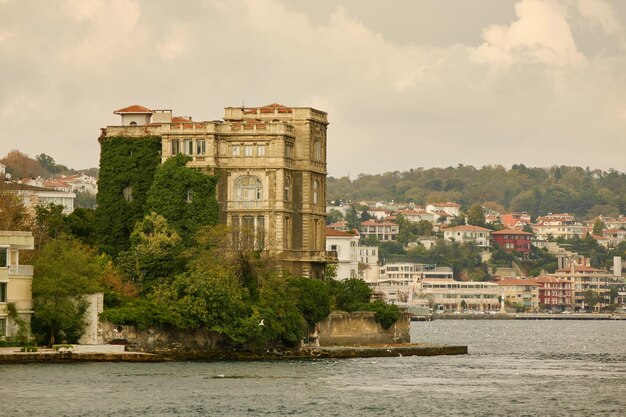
{"x": 38, "y": 196}
{"x": 3, "y": 171}
{"x": 383, "y": 231}
{"x": 558, "y": 225}
{"x": 469, "y": 234}
{"x": 555, "y": 294}
{"x": 455, "y": 295}
{"x": 452, "y": 209}
{"x": 399, "y": 281}
{"x": 515, "y": 219}
{"x": 15, "y": 280}
{"x": 584, "y": 278}
{"x": 514, "y": 240}
{"x": 340, "y": 225}
{"x": 520, "y": 292}
{"x": 272, "y": 164}
{"x": 368, "y": 263}
{"x": 345, "y": 245}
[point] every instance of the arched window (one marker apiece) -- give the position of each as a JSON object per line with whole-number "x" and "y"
{"x": 316, "y": 191}
{"x": 133, "y": 123}
{"x": 248, "y": 188}
{"x": 287, "y": 188}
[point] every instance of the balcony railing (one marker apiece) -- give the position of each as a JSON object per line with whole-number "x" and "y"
{"x": 24, "y": 270}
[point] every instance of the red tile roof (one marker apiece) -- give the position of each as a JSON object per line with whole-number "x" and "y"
{"x": 512, "y": 231}
{"x": 339, "y": 233}
{"x": 135, "y": 108}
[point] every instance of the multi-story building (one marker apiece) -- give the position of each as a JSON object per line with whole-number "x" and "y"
{"x": 514, "y": 240}
{"x": 38, "y": 196}
{"x": 469, "y": 234}
{"x": 558, "y": 225}
{"x": 520, "y": 292}
{"x": 453, "y": 295}
{"x": 515, "y": 219}
{"x": 383, "y": 231}
{"x": 583, "y": 278}
{"x": 272, "y": 166}
{"x": 555, "y": 294}
{"x": 15, "y": 280}
{"x": 368, "y": 263}
{"x": 345, "y": 246}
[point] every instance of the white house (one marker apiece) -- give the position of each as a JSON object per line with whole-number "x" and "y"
{"x": 34, "y": 196}
{"x": 345, "y": 245}
{"x": 467, "y": 233}
{"x": 453, "y": 209}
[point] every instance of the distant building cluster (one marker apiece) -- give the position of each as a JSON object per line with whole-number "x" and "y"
{"x": 420, "y": 284}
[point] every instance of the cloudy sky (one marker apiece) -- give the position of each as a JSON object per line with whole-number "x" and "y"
{"x": 406, "y": 83}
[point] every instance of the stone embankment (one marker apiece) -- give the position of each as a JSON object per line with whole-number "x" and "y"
{"x": 13, "y": 355}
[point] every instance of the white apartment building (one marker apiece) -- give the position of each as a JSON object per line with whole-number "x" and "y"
{"x": 467, "y": 233}
{"x": 453, "y": 295}
{"x": 346, "y": 246}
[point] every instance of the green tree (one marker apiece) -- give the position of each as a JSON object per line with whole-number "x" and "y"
{"x": 351, "y": 294}
{"x": 476, "y": 215}
{"x": 65, "y": 270}
{"x": 598, "y": 227}
{"x": 81, "y": 224}
{"x": 154, "y": 254}
{"x": 352, "y": 218}
{"x": 49, "y": 224}
{"x": 333, "y": 216}
{"x": 592, "y": 299}
{"x": 313, "y": 299}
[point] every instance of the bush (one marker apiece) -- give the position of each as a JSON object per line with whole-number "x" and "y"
{"x": 386, "y": 314}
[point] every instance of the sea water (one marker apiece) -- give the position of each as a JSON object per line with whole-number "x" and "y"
{"x": 514, "y": 368}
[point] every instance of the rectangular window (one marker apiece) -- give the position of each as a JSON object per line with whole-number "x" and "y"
{"x": 235, "y": 150}
{"x": 189, "y": 195}
{"x": 288, "y": 150}
{"x": 200, "y": 147}
{"x": 3, "y": 327}
{"x": 175, "y": 147}
{"x": 287, "y": 232}
{"x": 3, "y": 292}
{"x": 260, "y": 150}
{"x": 188, "y": 147}
{"x": 260, "y": 232}
{"x": 247, "y": 150}
{"x": 234, "y": 225}
{"x": 247, "y": 231}
{"x": 4, "y": 257}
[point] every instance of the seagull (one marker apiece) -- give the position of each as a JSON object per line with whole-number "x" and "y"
{"x": 220, "y": 376}
{"x": 262, "y": 322}
{"x": 400, "y": 354}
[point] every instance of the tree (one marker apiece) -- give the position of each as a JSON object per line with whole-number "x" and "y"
{"x": 65, "y": 270}
{"x": 20, "y": 165}
{"x": 81, "y": 224}
{"x": 49, "y": 224}
{"x": 598, "y": 227}
{"x": 334, "y": 216}
{"x": 592, "y": 299}
{"x": 476, "y": 216}
{"x": 351, "y": 294}
{"x": 352, "y": 218}
{"x": 13, "y": 213}
{"x": 154, "y": 254}
{"x": 313, "y": 299}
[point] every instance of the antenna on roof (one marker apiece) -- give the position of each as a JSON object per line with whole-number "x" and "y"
{"x": 243, "y": 104}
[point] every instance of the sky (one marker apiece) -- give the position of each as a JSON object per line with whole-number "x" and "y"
{"x": 406, "y": 83}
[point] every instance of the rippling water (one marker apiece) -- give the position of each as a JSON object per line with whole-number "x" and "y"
{"x": 515, "y": 368}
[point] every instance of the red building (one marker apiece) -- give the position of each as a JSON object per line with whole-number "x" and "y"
{"x": 513, "y": 240}
{"x": 555, "y": 293}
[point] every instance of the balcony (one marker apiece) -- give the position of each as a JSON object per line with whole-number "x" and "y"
{"x": 21, "y": 270}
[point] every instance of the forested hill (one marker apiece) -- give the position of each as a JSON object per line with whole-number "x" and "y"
{"x": 583, "y": 192}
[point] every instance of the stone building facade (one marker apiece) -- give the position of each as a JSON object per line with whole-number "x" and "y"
{"x": 271, "y": 163}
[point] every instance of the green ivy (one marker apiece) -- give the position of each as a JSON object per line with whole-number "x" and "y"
{"x": 184, "y": 196}
{"x": 124, "y": 161}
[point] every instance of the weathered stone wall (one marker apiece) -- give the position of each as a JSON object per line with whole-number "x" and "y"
{"x": 187, "y": 343}
{"x": 361, "y": 328}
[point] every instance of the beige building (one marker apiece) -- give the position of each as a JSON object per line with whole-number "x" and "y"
{"x": 585, "y": 278}
{"x": 523, "y": 293}
{"x": 453, "y": 295}
{"x": 15, "y": 280}
{"x": 272, "y": 166}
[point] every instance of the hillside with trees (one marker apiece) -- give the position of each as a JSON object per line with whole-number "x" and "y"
{"x": 580, "y": 191}
{"x": 20, "y": 165}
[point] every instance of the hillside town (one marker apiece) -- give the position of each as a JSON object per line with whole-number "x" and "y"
{"x": 270, "y": 193}
{"x": 573, "y": 286}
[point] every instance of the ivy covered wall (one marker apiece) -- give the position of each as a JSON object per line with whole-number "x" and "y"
{"x": 184, "y": 196}
{"x": 127, "y": 166}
